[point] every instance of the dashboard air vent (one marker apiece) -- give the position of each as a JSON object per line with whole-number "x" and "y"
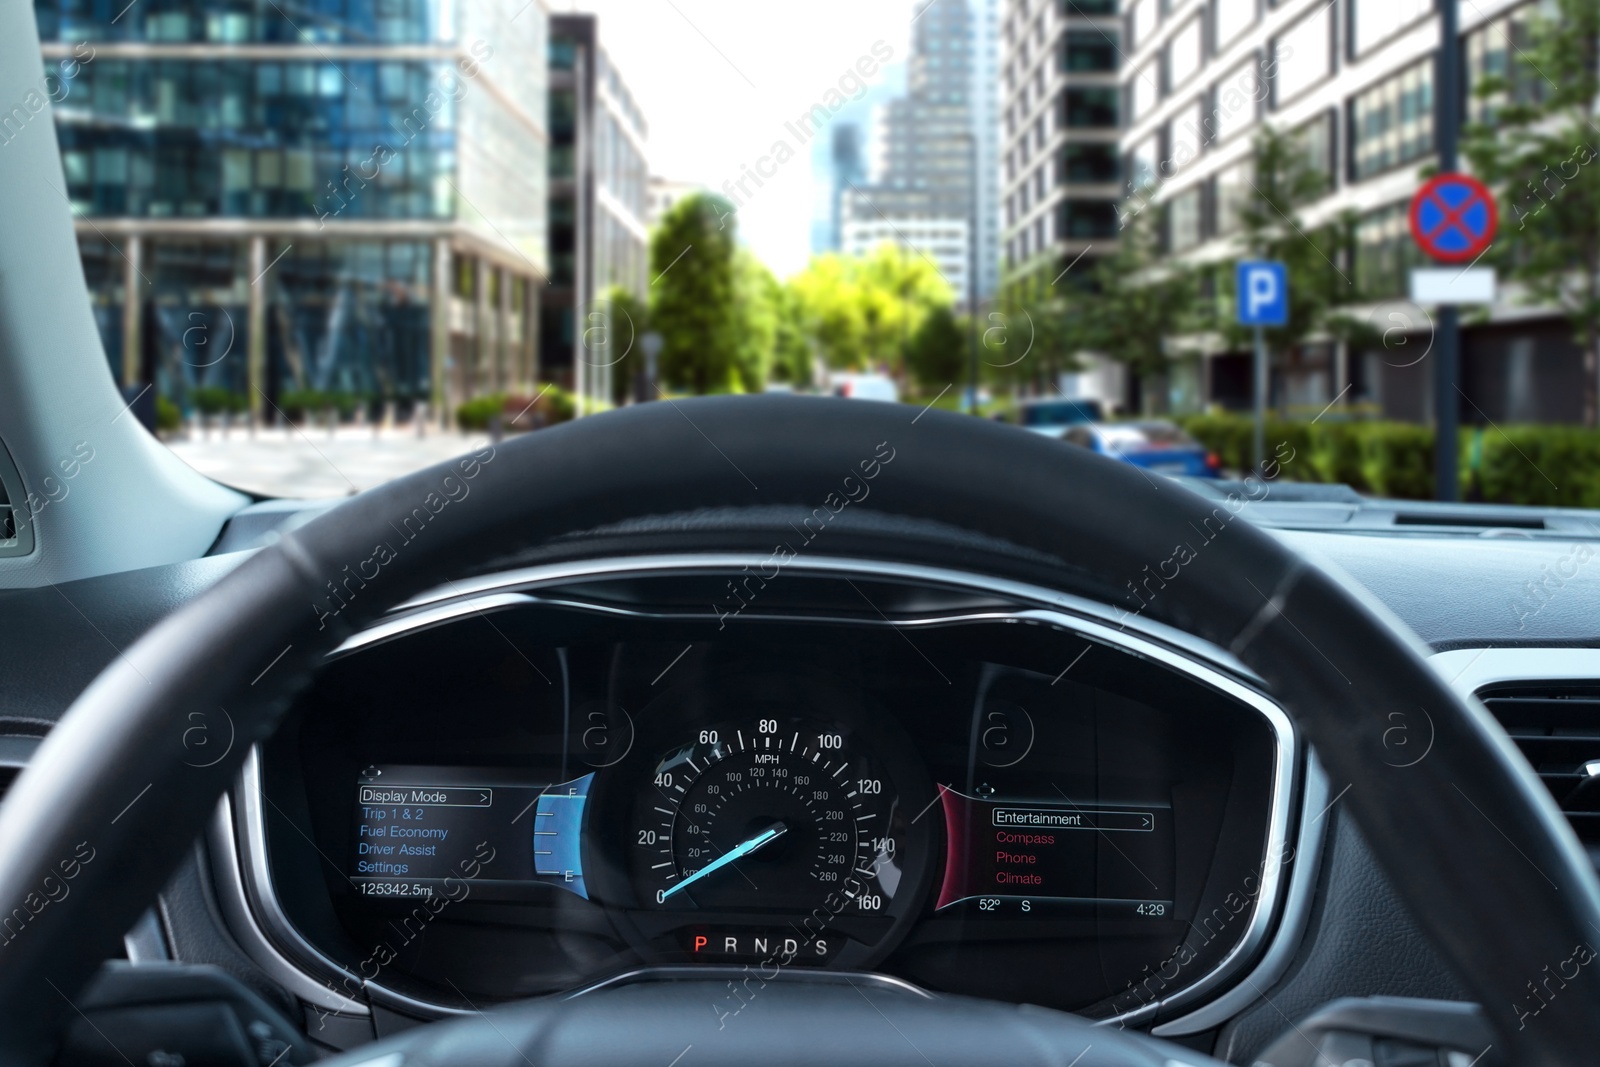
{"x": 16, "y": 525}
{"x": 1557, "y": 727}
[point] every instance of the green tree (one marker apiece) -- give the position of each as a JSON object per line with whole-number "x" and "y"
{"x": 1539, "y": 148}
{"x": 756, "y": 310}
{"x": 1031, "y": 342}
{"x": 791, "y": 349}
{"x": 1271, "y": 227}
{"x": 1135, "y": 302}
{"x": 694, "y": 297}
{"x": 825, "y": 295}
{"x": 627, "y": 320}
{"x": 863, "y": 311}
{"x": 937, "y": 354}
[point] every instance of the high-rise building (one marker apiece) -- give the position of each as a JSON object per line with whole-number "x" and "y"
{"x": 842, "y": 158}
{"x": 350, "y": 197}
{"x": 847, "y": 166}
{"x": 986, "y": 125}
{"x": 1060, "y": 168}
{"x": 927, "y": 152}
{"x": 1353, "y": 84}
{"x": 664, "y": 193}
{"x": 599, "y": 209}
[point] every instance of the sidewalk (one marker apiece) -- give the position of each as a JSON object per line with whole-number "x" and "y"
{"x": 314, "y": 462}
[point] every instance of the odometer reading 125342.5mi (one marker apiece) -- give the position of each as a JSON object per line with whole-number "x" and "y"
{"x": 769, "y": 814}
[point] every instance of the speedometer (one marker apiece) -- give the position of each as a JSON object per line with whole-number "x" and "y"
{"x": 769, "y": 813}
{"x": 759, "y": 816}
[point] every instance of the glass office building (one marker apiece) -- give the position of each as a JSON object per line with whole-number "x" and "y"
{"x": 339, "y": 196}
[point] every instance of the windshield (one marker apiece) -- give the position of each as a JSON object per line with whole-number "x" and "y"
{"x": 1061, "y": 413}
{"x": 1146, "y": 436}
{"x": 329, "y": 244}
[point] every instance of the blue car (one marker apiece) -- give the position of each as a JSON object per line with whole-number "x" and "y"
{"x": 1052, "y": 417}
{"x": 1155, "y": 445}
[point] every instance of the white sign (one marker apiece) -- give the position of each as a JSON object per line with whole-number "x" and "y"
{"x": 1451, "y": 285}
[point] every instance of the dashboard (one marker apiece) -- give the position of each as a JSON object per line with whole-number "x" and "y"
{"x": 540, "y": 784}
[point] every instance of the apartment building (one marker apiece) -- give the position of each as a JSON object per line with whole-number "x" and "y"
{"x": 599, "y": 208}
{"x": 1060, "y": 157}
{"x": 1354, "y": 82}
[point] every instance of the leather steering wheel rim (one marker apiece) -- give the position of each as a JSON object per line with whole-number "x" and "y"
{"x": 94, "y": 826}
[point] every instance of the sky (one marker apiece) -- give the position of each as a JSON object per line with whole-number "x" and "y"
{"x": 718, "y": 79}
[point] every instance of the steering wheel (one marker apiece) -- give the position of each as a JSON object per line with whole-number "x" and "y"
{"x": 114, "y": 795}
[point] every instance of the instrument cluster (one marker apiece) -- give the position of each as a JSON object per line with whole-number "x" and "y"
{"x": 998, "y": 804}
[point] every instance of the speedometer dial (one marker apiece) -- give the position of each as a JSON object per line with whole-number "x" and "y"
{"x": 764, "y": 815}
{"x": 769, "y": 813}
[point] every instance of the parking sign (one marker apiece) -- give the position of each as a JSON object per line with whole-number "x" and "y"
{"x": 1262, "y": 293}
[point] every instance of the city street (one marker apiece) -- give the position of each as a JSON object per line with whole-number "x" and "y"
{"x": 313, "y": 462}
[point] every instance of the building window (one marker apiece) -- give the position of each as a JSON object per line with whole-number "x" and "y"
{"x": 1142, "y": 18}
{"x": 1385, "y": 252}
{"x": 1183, "y": 220}
{"x": 1086, "y": 8}
{"x": 1230, "y": 18}
{"x": 1185, "y": 138}
{"x": 1232, "y": 188}
{"x": 1314, "y": 141}
{"x": 1079, "y": 219}
{"x": 1183, "y": 54}
{"x": 1374, "y": 21}
{"x": 1304, "y": 56}
{"x": 1145, "y": 92}
{"x": 1496, "y": 49}
{"x": 1234, "y": 100}
{"x": 1144, "y": 164}
{"x": 1089, "y": 51}
{"x": 1088, "y": 163}
{"x": 1392, "y": 123}
{"x": 1089, "y": 107}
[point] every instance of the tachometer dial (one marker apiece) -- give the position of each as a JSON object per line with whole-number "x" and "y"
{"x": 768, "y": 814}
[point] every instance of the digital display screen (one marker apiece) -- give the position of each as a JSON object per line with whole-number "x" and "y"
{"x": 1019, "y": 857}
{"x": 417, "y": 828}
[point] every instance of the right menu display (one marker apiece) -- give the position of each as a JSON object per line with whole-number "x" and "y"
{"x": 1018, "y": 857}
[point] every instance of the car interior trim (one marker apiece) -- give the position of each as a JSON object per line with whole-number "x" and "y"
{"x": 428, "y": 617}
{"x": 668, "y": 563}
{"x": 1298, "y": 897}
{"x": 704, "y": 973}
{"x": 241, "y": 914}
{"x": 1467, "y": 670}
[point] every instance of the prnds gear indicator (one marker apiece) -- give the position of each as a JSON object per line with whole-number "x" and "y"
{"x": 1055, "y": 858}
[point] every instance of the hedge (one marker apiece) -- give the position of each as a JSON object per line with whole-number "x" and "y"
{"x": 1539, "y": 465}
{"x": 308, "y": 403}
{"x": 550, "y": 405}
{"x": 216, "y": 400}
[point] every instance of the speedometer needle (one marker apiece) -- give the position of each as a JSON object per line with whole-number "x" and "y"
{"x": 737, "y": 852}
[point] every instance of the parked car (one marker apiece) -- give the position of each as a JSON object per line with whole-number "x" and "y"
{"x": 866, "y": 387}
{"x": 1155, "y": 445}
{"x": 1052, "y": 417}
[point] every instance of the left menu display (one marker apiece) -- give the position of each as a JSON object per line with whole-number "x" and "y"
{"x": 418, "y": 830}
